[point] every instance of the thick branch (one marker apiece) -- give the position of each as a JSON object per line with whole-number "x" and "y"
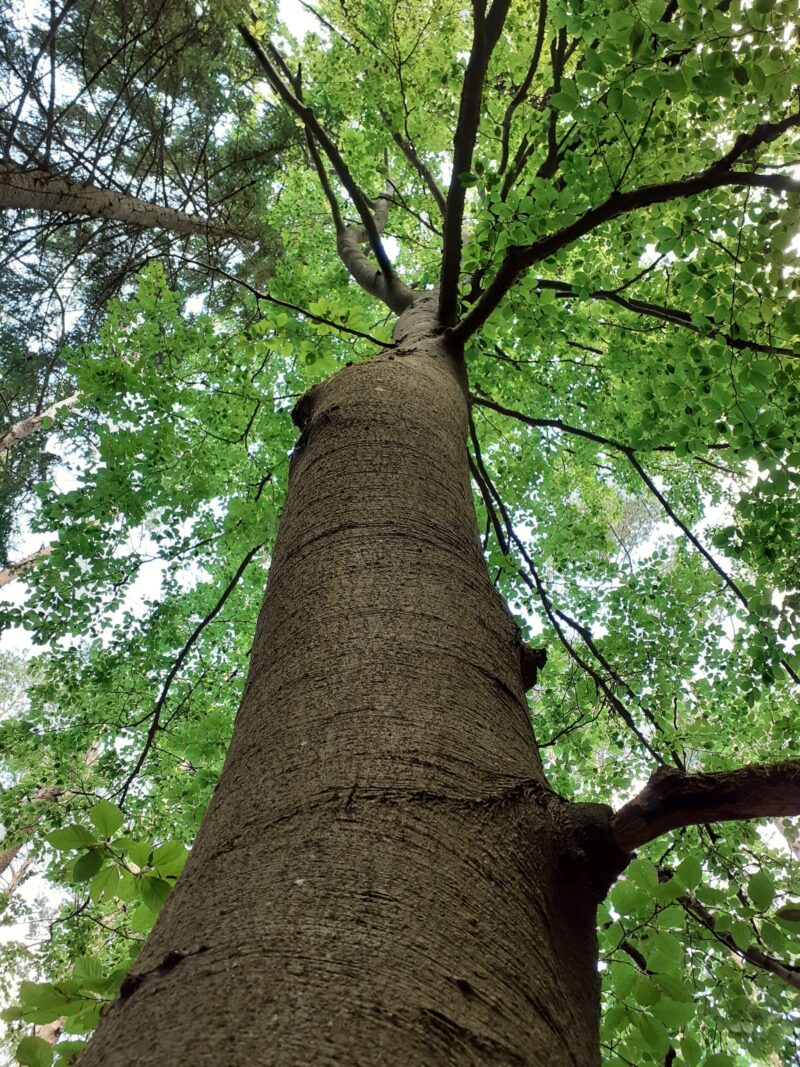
{"x": 519, "y": 257}
{"x": 27, "y": 427}
{"x": 14, "y": 570}
{"x": 486, "y": 32}
{"x": 672, "y": 799}
{"x": 350, "y": 244}
{"x": 39, "y": 190}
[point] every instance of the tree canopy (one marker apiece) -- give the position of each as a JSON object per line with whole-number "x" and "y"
{"x": 603, "y": 197}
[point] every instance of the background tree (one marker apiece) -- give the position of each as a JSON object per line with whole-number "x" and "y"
{"x": 592, "y": 205}
{"x": 110, "y": 159}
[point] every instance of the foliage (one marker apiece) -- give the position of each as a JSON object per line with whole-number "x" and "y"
{"x": 636, "y": 386}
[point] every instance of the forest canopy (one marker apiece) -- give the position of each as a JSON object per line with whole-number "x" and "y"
{"x": 603, "y": 196}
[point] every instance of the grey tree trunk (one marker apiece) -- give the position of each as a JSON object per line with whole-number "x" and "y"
{"x": 383, "y": 875}
{"x": 24, "y": 189}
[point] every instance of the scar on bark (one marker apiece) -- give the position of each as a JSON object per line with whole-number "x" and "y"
{"x": 531, "y": 661}
{"x": 133, "y": 980}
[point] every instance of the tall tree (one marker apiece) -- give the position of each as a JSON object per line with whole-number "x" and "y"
{"x": 584, "y": 333}
{"x": 109, "y": 160}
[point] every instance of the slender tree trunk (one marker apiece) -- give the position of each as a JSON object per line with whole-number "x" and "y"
{"x": 383, "y": 875}
{"x": 14, "y": 570}
{"x": 7, "y": 857}
{"x": 39, "y": 190}
{"x": 25, "y": 428}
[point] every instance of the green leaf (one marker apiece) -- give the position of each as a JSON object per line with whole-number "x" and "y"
{"x": 643, "y": 873}
{"x": 68, "y": 1052}
{"x": 673, "y": 1013}
{"x": 143, "y": 919}
{"x": 104, "y": 884}
{"x": 106, "y": 817}
{"x": 70, "y": 837}
{"x": 34, "y": 1052}
{"x": 87, "y": 969}
{"x": 154, "y": 892}
{"x": 689, "y": 872}
{"x": 628, "y": 898}
{"x": 87, "y": 865}
{"x": 654, "y": 1033}
{"x": 789, "y": 914}
{"x": 41, "y": 995}
{"x": 563, "y": 101}
{"x": 169, "y": 858}
{"x": 761, "y": 890}
{"x": 140, "y": 852}
{"x": 691, "y": 1050}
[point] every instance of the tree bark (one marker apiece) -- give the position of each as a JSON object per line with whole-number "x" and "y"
{"x": 383, "y": 874}
{"x": 23, "y": 189}
{"x": 14, "y": 570}
{"x": 25, "y": 428}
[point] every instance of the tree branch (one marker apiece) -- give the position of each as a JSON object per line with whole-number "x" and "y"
{"x": 673, "y": 798}
{"x": 155, "y": 724}
{"x": 534, "y": 583}
{"x": 260, "y": 295}
{"x": 519, "y": 257}
{"x": 671, "y": 316}
{"x": 630, "y": 454}
{"x": 485, "y": 34}
{"x": 788, "y": 973}
{"x": 522, "y": 92}
{"x": 422, "y": 169}
{"x": 22, "y": 189}
{"x": 19, "y": 431}
{"x": 14, "y": 570}
{"x": 398, "y": 297}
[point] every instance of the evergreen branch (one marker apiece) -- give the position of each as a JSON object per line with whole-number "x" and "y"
{"x": 39, "y": 189}
{"x": 673, "y": 798}
{"x": 19, "y": 431}
{"x": 14, "y": 570}
{"x": 155, "y": 724}
{"x": 485, "y": 34}
{"x": 519, "y": 257}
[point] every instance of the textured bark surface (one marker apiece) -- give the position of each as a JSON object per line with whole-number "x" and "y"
{"x": 25, "y": 428}
{"x": 39, "y": 190}
{"x": 14, "y": 570}
{"x": 383, "y": 875}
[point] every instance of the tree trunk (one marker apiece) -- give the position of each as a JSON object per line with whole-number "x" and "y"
{"x": 38, "y": 190}
{"x": 383, "y": 875}
{"x": 14, "y": 570}
{"x": 20, "y": 431}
